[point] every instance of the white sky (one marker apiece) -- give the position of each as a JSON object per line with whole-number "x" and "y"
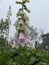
{"x": 39, "y": 16}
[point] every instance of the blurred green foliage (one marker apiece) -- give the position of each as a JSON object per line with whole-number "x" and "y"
{"x": 24, "y": 56}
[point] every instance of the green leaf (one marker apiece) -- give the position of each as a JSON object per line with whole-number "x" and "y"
{"x": 3, "y": 59}
{"x": 32, "y": 60}
{"x": 17, "y": 2}
{"x": 26, "y": 9}
{"x": 24, "y": 1}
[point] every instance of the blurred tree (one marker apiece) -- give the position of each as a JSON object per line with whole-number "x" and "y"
{"x": 3, "y": 33}
{"x": 42, "y": 31}
{"x": 9, "y": 14}
{"x": 4, "y": 30}
{"x": 33, "y": 33}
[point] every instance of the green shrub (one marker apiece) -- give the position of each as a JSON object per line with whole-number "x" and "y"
{"x": 24, "y": 56}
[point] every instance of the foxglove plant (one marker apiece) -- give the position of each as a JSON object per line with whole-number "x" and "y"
{"x": 22, "y": 25}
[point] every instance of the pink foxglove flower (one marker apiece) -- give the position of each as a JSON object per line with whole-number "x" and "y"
{"x": 21, "y": 37}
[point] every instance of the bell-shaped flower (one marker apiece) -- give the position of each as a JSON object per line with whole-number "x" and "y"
{"x": 20, "y": 12}
{"x": 25, "y": 17}
{"x": 16, "y": 23}
{"x": 21, "y": 38}
{"x": 21, "y": 22}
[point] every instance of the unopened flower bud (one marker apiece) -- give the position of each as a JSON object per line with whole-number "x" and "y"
{"x": 19, "y": 13}
{"x": 26, "y": 17}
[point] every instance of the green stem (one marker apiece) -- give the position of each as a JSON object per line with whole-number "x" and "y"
{"x": 22, "y": 6}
